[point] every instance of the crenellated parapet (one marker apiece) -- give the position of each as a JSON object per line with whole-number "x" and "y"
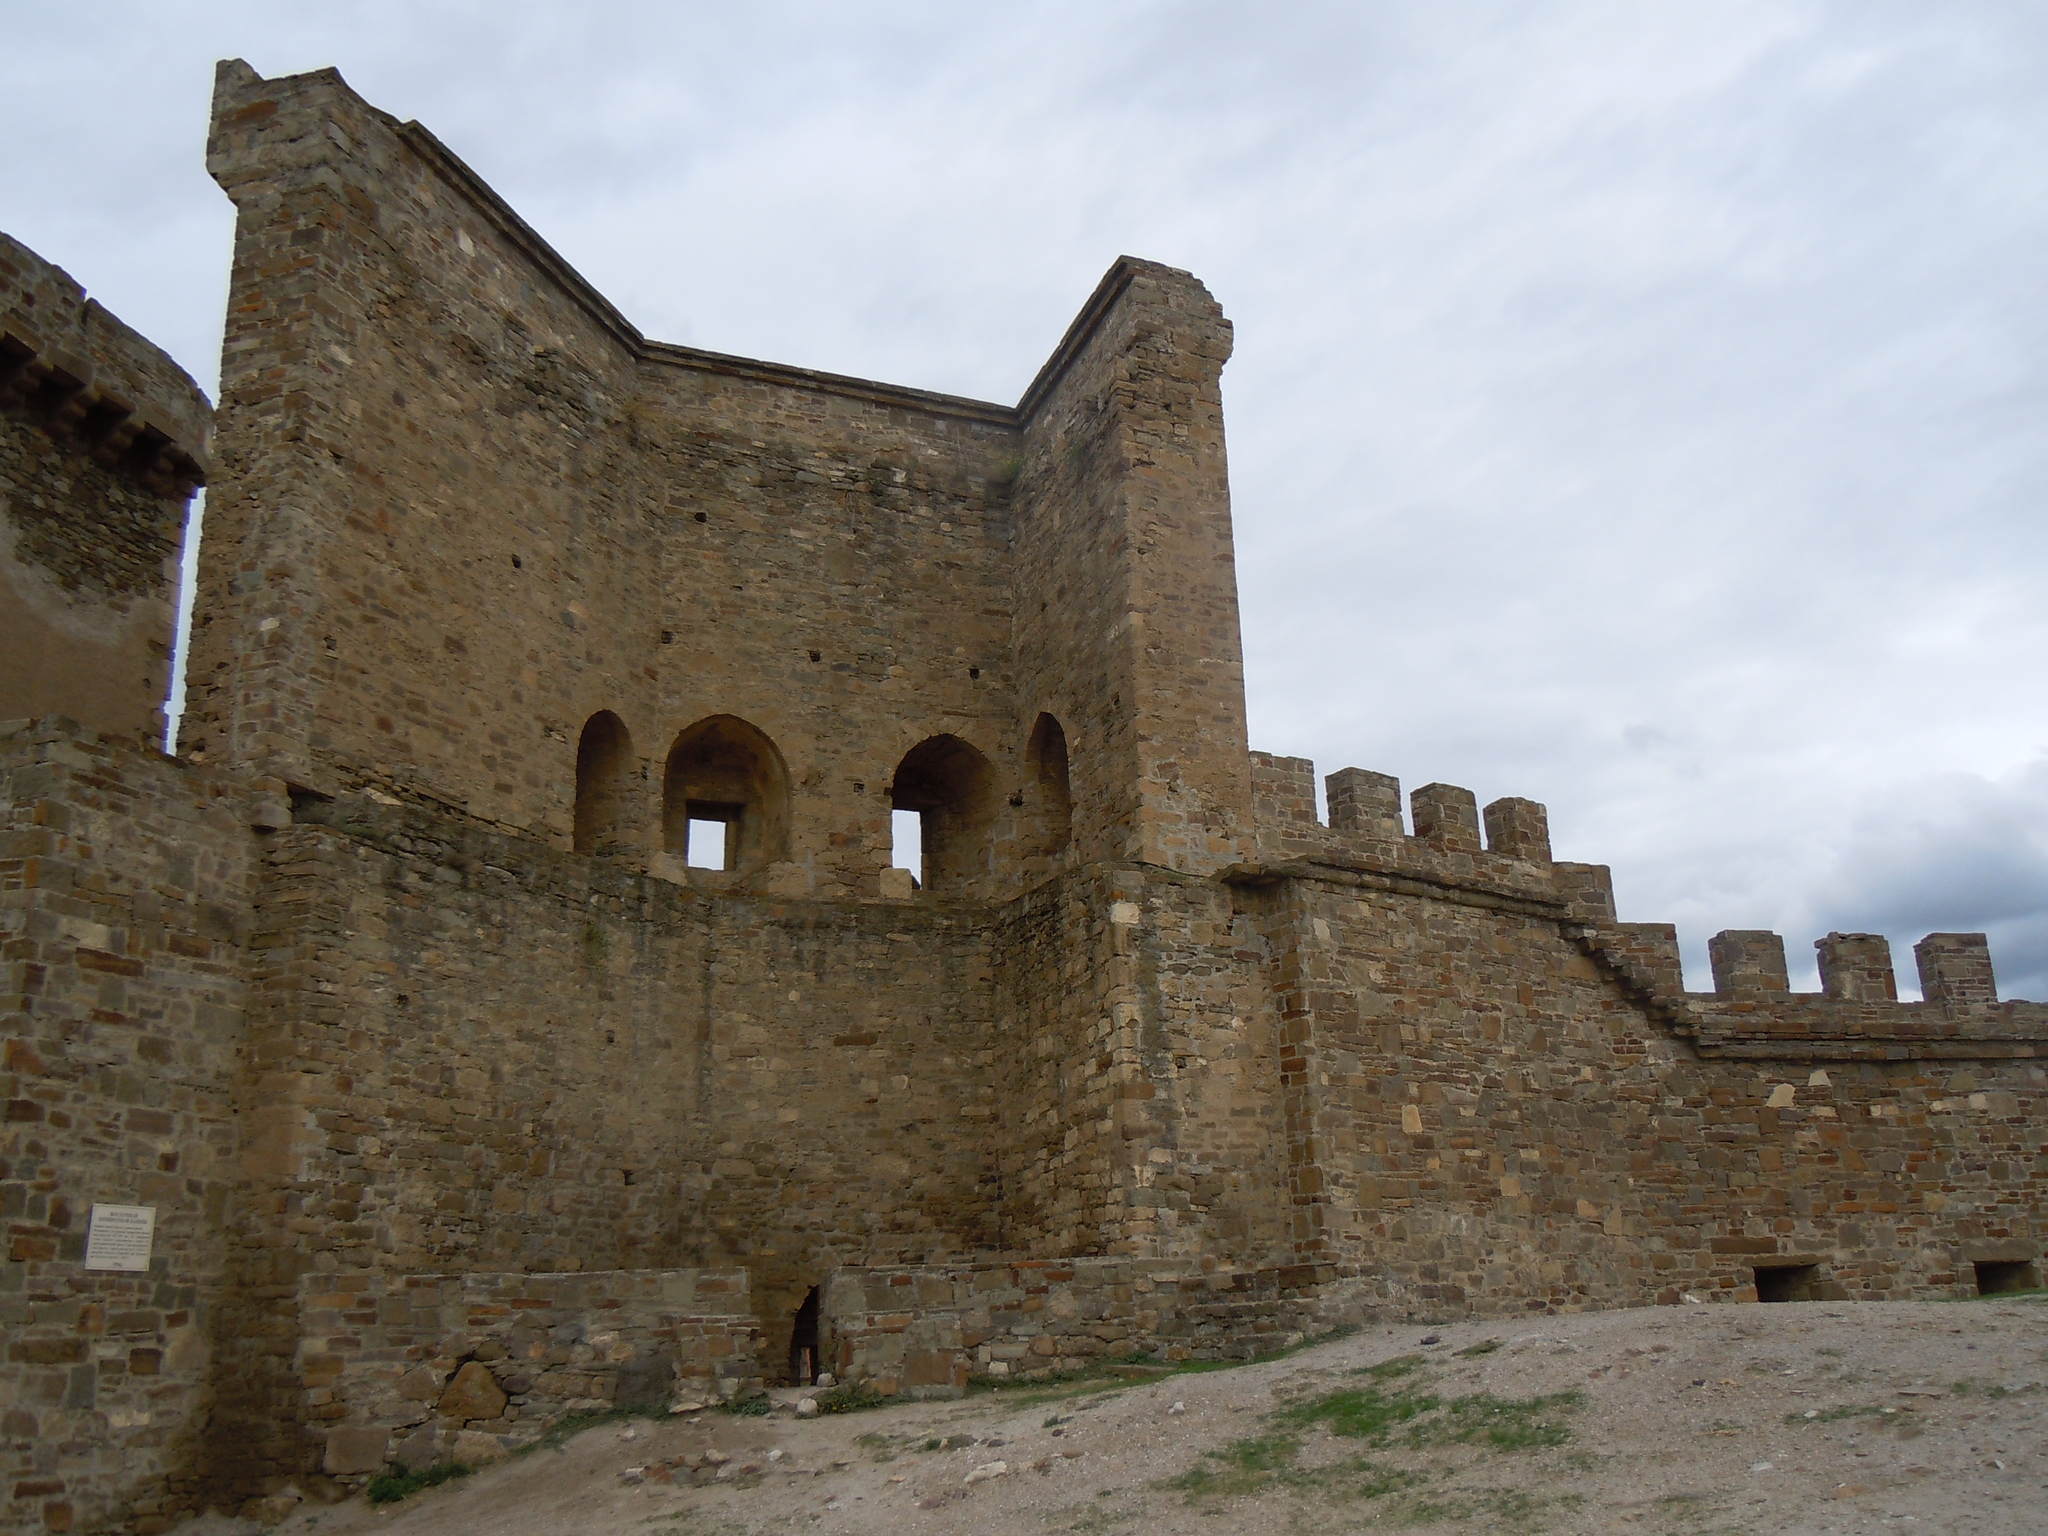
{"x": 1500, "y": 851}
{"x": 1753, "y": 1010}
{"x": 1501, "y": 856}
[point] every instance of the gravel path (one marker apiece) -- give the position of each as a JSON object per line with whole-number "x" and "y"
{"x": 1905, "y": 1416}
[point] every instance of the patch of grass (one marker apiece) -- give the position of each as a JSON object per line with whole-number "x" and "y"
{"x": 1503, "y": 1423}
{"x": 1270, "y": 1461}
{"x": 1244, "y": 1466}
{"x": 1390, "y": 1370}
{"x": 1359, "y": 1413}
{"x": 850, "y": 1397}
{"x": 1483, "y": 1347}
{"x": 748, "y": 1407}
{"x": 1358, "y": 1478}
{"x": 1832, "y": 1354}
{"x": 390, "y": 1487}
{"x": 1373, "y": 1413}
{"x": 1057, "y": 1420}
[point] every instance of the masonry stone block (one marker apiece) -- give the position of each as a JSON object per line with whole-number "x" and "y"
{"x": 1446, "y": 817}
{"x": 1748, "y": 963}
{"x": 1857, "y": 967}
{"x": 355, "y": 1448}
{"x": 1955, "y": 970}
{"x": 1518, "y": 829}
{"x": 1365, "y": 803}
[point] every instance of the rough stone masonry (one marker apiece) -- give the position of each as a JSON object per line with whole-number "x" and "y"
{"x": 505, "y": 1004}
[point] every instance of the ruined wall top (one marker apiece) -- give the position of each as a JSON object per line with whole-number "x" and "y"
{"x": 67, "y": 356}
{"x": 103, "y": 440}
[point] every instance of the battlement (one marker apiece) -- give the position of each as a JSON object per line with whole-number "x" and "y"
{"x": 1366, "y": 832}
{"x": 1856, "y": 1014}
{"x": 1752, "y": 1008}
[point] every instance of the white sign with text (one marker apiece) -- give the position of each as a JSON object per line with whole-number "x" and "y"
{"x": 119, "y": 1237}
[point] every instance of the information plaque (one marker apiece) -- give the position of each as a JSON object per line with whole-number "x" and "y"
{"x": 119, "y": 1237}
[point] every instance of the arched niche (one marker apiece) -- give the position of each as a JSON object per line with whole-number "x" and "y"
{"x": 604, "y": 769}
{"x": 1045, "y": 755}
{"x": 724, "y": 770}
{"x": 952, "y": 788}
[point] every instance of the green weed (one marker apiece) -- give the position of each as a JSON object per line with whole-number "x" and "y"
{"x": 1359, "y": 1413}
{"x": 1266, "y": 1461}
{"x": 1483, "y": 1347}
{"x": 1504, "y": 1423}
{"x": 390, "y": 1487}
{"x": 849, "y": 1397}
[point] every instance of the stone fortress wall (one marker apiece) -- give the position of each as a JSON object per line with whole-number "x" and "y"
{"x": 398, "y": 1001}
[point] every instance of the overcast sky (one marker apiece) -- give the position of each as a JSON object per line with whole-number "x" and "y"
{"x": 1636, "y": 407}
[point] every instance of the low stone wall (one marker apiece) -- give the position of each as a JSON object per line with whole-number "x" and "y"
{"x": 421, "y": 1369}
{"x": 925, "y": 1332}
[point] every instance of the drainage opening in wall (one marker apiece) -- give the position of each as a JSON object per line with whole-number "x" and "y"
{"x": 1787, "y": 1282}
{"x": 803, "y": 1342}
{"x": 1995, "y": 1278}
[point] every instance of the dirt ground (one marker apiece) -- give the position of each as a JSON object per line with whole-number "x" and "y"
{"x": 1812, "y": 1417}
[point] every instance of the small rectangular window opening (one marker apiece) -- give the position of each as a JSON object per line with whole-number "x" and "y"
{"x": 907, "y": 833}
{"x": 1787, "y": 1282}
{"x": 1996, "y": 1278}
{"x": 707, "y": 844}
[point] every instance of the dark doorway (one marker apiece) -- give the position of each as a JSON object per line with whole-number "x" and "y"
{"x": 803, "y": 1342}
{"x": 1787, "y": 1282}
{"x": 1995, "y": 1278}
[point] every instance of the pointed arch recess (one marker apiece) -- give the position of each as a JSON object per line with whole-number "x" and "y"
{"x": 1046, "y": 756}
{"x": 723, "y": 768}
{"x": 952, "y": 786}
{"x": 604, "y": 769}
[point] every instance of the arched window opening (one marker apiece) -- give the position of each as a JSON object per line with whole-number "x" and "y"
{"x": 952, "y": 789}
{"x": 725, "y": 797}
{"x": 604, "y": 765}
{"x": 1047, "y": 757}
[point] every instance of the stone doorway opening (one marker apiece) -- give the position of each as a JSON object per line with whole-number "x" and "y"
{"x": 1788, "y": 1282}
{"x": 1997, "y": 1277}
{"x": 803, "y": 1342}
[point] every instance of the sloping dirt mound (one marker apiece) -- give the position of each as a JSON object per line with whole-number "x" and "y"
{"x": 1813, "y": 1417}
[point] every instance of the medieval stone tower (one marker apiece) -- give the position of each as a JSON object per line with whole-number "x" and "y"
{"x": 505, "y": 1003}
